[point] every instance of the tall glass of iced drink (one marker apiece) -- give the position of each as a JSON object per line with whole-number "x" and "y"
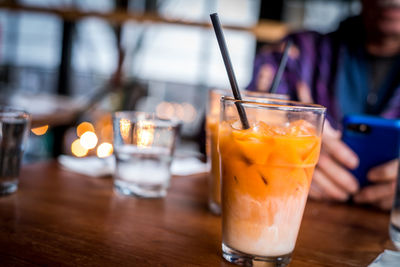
{"x": 212, "y": 121}
{"x": 266, "y": 172}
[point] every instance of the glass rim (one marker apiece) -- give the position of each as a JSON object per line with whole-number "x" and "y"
{"x": 278, "y": 104}
{"x": 133, "y": 113}
{"x": 145, "y": 115}
{"x": 250, "y": 93}
{"x": 253, "y": 94}
{"x": 7, "y": 112}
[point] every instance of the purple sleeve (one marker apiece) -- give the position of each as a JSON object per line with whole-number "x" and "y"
{"x": 393, "y": 109}
{"x": 313, "y": 63}
{"x": 299, "y": 67}
{"x": 269, "y": 58}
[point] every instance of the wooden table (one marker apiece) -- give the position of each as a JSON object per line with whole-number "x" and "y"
{"x": 58, "y": 218}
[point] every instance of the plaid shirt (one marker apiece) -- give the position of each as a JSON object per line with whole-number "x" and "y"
{"x": 316, "y": 60}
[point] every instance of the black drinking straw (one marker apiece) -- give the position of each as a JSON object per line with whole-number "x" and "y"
{"x": 229, "y": 69}
{"x": 281, "y": 68}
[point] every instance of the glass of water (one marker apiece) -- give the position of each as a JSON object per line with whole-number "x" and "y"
{"x": 394, "y": 226}
{"x": 14, "y": 125}
{"x": 143, "y": 147}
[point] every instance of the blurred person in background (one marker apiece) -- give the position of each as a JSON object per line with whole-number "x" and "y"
{"x": 355, "y": 69}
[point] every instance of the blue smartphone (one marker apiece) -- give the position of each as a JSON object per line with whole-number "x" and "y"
{"x": 375, "y": 140}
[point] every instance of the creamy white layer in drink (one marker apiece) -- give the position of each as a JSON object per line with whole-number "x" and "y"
{"x": 272, "y": 234}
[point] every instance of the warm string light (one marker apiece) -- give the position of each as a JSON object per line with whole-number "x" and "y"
{"x": 125, "y": 128}
{"x": 40, "y": 130}
{"x": 87, "y": 140}
{"x": 144, "y": 133}
{"x": 78, "y": 150}
{"x": 104, "y": 150}
{"x": 83, "y": 128}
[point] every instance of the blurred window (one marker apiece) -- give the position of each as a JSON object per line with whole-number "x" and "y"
{"x": 191, "y": 55}
{"x": 319, "y": 15}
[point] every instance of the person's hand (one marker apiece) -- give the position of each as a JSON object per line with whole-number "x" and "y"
{"x": 331, "y": 180}
{"x": 381, "y": 193}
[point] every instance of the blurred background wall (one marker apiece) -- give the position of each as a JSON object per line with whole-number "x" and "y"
{"x": 148, "y": 55}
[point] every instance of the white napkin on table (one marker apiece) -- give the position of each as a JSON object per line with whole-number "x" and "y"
{"x": 90, "y": 166}
{"x": 188, "y": 166}
{"x": 388, "y": 258}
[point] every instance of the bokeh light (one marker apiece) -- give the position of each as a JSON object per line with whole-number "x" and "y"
{"x": 144, "y": 133}
{"x": 179, "y": 111}
{"x": 88, "y": 140}
{"x": 77, "y": 149}
{"x": 190, "y": 113}
{"x": 83, "y": 128}
{"x": 40, "y": 130}
{"x": 125, "y": 128}
{"x": 165, "y": 110}
{"x": 104, "y": 150}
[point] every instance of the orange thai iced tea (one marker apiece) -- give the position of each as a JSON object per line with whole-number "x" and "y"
{"x": 266, "y": 173}
{"x": 212, "y": 121}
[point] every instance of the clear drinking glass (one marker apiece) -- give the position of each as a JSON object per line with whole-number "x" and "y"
{"x": 143, "y": 147}
{"x": 212, "y": 121}
{"x": 394, "y": 225}
{"x": 14, "y": 125}
{"x": 266, "y": 172}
